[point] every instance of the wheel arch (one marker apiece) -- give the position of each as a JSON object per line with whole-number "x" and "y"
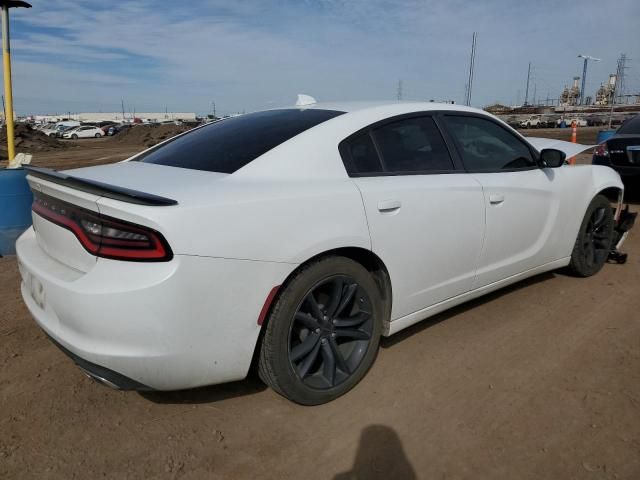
{"x": 615, "y": 195}
{"x": 369, "y": 260}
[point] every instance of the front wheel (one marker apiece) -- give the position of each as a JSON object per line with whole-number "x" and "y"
{"x": 593, "y": 244}
{"x": 323, "y": 332}
{"x": 74, "y": 136}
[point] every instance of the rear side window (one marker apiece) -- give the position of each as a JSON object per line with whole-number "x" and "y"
{"x": 486, "y": 146}
{"x": 412, "y": 145}
{"x": 408, "y": 146}
{"x": 230, "y": 144}
{"x": 362, "y": 156}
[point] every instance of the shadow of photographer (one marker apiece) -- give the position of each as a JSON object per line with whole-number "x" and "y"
{"x": 380, "y": 455}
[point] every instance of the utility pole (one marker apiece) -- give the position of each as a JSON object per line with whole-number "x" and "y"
{"x": 399, "y": 90}
{"x": 122, "y": 101}
{"x": 584, "y": 74}
{"x": 526, "y": 94}
{"x": 535, "y": 93}
{"x": 6, "y": 67}
{"x": 471, "y": 69}
{"x": 213, "y": 108}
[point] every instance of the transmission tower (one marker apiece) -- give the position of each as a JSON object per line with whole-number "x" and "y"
{"x": 399, "y": 90}
{"x": 622, "y": 66}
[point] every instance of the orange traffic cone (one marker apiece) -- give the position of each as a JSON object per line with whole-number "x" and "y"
{"x": 574, "y": 139}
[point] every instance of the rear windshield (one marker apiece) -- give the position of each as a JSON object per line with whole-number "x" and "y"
{"x": 230, "y": 144}
{"x": 631, "y": 126}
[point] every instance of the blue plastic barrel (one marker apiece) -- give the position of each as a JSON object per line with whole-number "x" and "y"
{"x": 15, "y": 208}
{"x": 604, "y": 135}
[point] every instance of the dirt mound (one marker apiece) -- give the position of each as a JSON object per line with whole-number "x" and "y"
{"x": 30, "y": 141}
{"x": 149, "y": 135}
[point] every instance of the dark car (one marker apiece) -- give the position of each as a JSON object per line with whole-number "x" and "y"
{"x": 621, "y": 151}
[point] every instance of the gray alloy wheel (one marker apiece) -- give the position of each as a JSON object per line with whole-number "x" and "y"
{"x": 323, "y": 331}
{"x": 593, "y": 244}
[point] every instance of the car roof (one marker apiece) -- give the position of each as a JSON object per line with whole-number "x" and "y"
{"x": 391, "y": 105}
{"x": 316, "y": 149}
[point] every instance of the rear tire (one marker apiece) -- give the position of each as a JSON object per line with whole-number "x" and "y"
{"x": 323, "y": 332}
{"x": 593, "y": 244}
{"x": 97, "y": 135}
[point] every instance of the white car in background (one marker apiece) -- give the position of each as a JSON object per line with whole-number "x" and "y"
{"x": 49, "y": 130}
{"x": 298, "y": 237}
{"x": 86, "y": 131}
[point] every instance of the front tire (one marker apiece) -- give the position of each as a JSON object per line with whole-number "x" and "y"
{"x": 74, "y": 136}
{"x": 323, "y": 332}
{"x": 593, "y": 244}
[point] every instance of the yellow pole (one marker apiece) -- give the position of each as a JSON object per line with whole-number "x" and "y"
{"x": 8, "y": 95}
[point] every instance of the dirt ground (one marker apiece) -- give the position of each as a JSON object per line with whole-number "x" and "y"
{"x": 539, "y": 380}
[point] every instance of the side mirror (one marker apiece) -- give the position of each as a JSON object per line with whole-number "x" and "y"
{"x": 552, "y": 158}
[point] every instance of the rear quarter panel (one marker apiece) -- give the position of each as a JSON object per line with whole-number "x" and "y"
{"x": 266, "y": 220}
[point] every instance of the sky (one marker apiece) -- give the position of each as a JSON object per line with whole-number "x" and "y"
{"x": 246, "y": 55}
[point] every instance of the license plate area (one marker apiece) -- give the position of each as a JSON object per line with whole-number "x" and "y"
{"x": 34, "y": 286}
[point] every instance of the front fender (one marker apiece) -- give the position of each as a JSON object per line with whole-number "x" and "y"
{"x": 604, "y": 177}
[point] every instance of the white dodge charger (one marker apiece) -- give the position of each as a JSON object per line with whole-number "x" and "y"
{"x": 297, "y": 237}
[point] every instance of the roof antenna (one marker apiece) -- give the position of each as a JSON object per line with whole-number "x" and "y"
{"x": 304, "y": 100}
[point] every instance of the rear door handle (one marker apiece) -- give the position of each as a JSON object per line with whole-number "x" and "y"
{"x": 389, "y": 206}
{"x": 496, "y": 199}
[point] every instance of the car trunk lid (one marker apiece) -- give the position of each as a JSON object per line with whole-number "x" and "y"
{"x": 128, "y": 183}
{"x": 624, "y": 151}
{"x": 58, "y": 242}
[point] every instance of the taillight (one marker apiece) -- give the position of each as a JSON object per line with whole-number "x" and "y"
{"x": 104, "y": 236}
{"x": 601, "y": 150}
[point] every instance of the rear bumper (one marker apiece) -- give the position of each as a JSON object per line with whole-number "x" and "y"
{"x": 102, "y": 374}
{"x": 163, "y": 326}
{"x": 623, "y": 171}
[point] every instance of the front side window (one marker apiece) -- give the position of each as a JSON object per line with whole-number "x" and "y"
{"x": 486, "y": 146}
{"x": 228, "y": 145}
{"x": 412, "y": 145}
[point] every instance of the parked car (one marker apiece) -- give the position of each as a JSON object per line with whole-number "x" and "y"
{"x": 105, "y": 128}
{"x": 547, "y": 121}
{"x": 60, "y": 131}
{"x": 621, "y": 151}
{"x": 532, "y": 122}
{"x": 49, "y": 130}
{"x": 301, "y": 234}
{"x": 115, "y": 129}
{"x": 596, "y": 120}
{"x": 86, "y": 131}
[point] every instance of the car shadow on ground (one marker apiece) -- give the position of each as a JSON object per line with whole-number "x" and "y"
{"x": 211, "y": 394}
{"x": 380, "y": 456}
{"x": 387, "y": 342}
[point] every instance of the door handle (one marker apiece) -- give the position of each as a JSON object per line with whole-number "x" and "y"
{"x": 389, "y": 206}
{"x": 496, "y": 199}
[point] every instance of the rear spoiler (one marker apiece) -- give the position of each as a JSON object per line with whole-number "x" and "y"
{"x": 99, "y": 188}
